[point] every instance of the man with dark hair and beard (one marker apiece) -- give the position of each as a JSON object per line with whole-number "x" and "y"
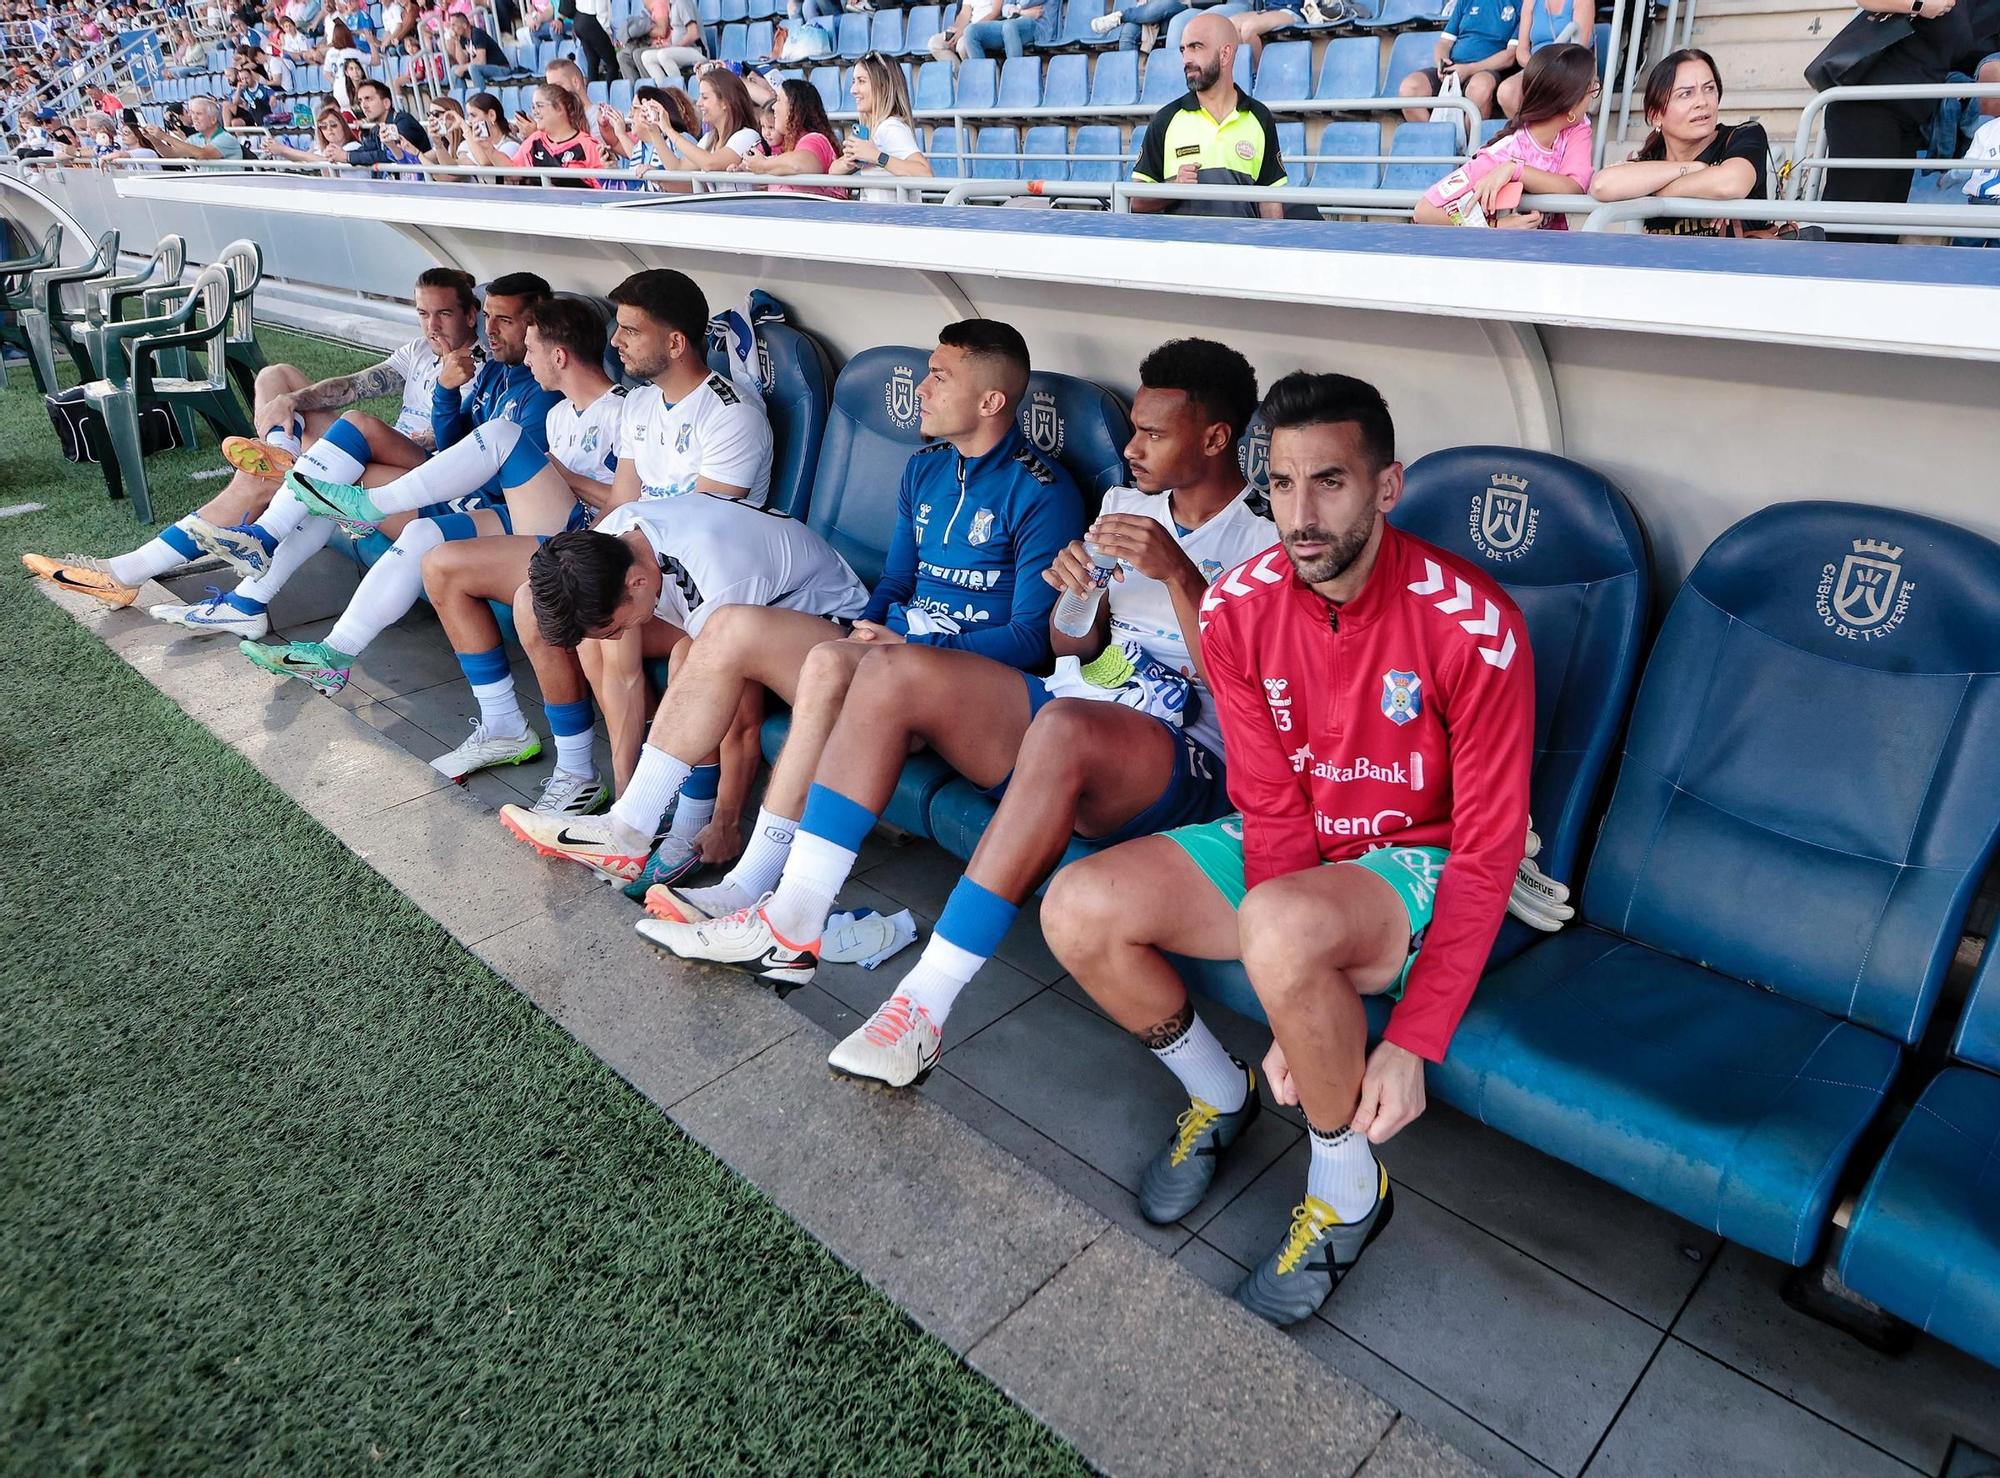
{"x": 1377, "y": 704}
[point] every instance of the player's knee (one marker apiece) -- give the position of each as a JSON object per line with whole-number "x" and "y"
{"x": 730, "y": 634}
{"x": 277, "y": 379}
{"x": 1062, "y": 739}
{"x": 883, "y": 676}
{"x": 1079, "y": 909}
{"x": 444, "y": 569}
{"x": 526, "y": 627}
{"x": 1280, "y": 923}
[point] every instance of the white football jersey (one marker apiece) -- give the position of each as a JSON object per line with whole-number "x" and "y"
{"x": 1142, "y": 610}
{"x": 419, "y": 364}
{"x": 717, "y": 551}
{"x": 717, "y": 431}
{"x": 585, "y": 438}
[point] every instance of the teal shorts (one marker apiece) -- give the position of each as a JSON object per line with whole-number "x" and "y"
{"x": 1216, "y": 848}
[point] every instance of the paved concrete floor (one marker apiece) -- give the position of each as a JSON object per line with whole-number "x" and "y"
{"x": 1536, "y": 1318}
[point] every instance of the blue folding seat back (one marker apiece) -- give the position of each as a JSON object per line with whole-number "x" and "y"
{"x": 1021, "y": 82}
{"x": 1924, "y": 1241}
{"x": 1385, "y": 13}
{"x": 826, "y": 82}
{"x": 933, "y": 86}
{"x": 996, "y": 148}
{"x": 885, "y": 32}
{"x": 709, "y": 12}
{"x": 1426, "y": 141}
{"x": 761, "y": 41}
{"x": 1489, "y": 130}
{"x": 977, "y": 85}
{"x": 1804, "y": 806}
{"x": 1081, "y": 425}
{"x": 1047, "y": 148}
{"x": 1164, "y": 79}
{"x": 922, "y": 23}
{"x": 597, "y": 92}
{"x": 1284, "y": 72}
{"x": 622, "y": 93}
{"x": 735, "y": 10}
{"x": 1347, "y": 164}
{"x": 942, "y": 152}
{"x": 1104, "y": 140}
{"x": 1067, "y": 84}
{"x": 797, "y": 380}
{"x": 735, "y": 43}
{"x": 851, "y": 40}
{"x": 1408, "y": 53}
{"x": 1292, "y": 147}
{"x": 1115, "y": 84}
{"x": 1077, "y": 16}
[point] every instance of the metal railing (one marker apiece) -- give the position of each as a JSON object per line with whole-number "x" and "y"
{"x": 1807, "y": 163}
{"x": 1851, "y": 217}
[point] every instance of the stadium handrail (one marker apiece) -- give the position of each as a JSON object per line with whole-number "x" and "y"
{"x": 1805, "y": 162}
{"x": 1856, "y": 216}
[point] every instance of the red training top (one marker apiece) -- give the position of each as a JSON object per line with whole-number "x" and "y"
{"x": 1403, "y": 718}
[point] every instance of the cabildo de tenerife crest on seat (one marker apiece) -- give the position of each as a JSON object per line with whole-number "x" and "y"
{"x": 1809, "y": 793}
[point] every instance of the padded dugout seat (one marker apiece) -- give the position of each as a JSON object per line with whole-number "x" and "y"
{"x": 1925, "y": 1239}
{"x": 871, "y": 435}
{"x": 1805, "y": 805}
{"x": 1562, "y": 541}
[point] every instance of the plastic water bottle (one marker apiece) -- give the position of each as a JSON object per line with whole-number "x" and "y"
{"x": 1075, "y": 614}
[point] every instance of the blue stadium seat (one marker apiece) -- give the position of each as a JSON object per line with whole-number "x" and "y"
{"x": 1284, "y": 72}
{"x": 977, "y": 85}
{"x": 871, "y": 432}
{"x": 826, "y": 82}
{"x": 885, "y": 32}
{"x": 941, "y": 152}
{"x": 735, "y": 43}
{"x": 933, "y": 89}
{"x": 798, "y": 395}
{"x": 709, "y": 12}
{"x": 851, "y": 40}
{"x": 1067, "y": 84}
{"x": 1410, "y": 52}
{"x": 1115, "y": 84}
{"x": 1048, "y": 149}
{"x": 1924, "y": 1242}
{"x": 921, "y": 23}
{"x": 761, "y": 40}
{"x": 735, "y": 10}
{"x": 597, "y": 92}
{"x": 1351, "y": 67}
{"x": 1165, "y": 81}
{"x": 1292, "y": 146}
{"x": 996, "y": 148}
{"x": 621, "y": 93}
{"x": 847, "y": 89}
{"x": 1101, "y": 139}
{"x": 1768, "y": 823}
{"x": 1435, "y": 140}
{"x": 1489, "y": 130}
{"x": 1338, "y": 139}
{"x": 1077, "y": 16}
{"x": 1020, "y": 82}
{"x": 1386, "y": 13}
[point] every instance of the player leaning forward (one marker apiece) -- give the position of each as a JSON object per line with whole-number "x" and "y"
{"x": 1377, "y": 704}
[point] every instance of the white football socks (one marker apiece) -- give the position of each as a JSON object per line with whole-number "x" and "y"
{"x": 935, "y": 981}
{"x": 499, "y": 709}
{"x": 329, "y": 462}
{"x": 763, "y": 861}
{"x": 1205, "y": 1068}
{"x": 464, "y": 467}
{"x": 690, "y": 816}
{"x": 387, "y": 591}
{"x": 1343, "y": 1172}
{"x": 575, "y": 755}
{"x": 150, "y": 559}
{"x": 284, "y": 514}
{"x": 814, "y": 875}
{"x": 655, "y": 781}
{"x": 293, "y": 550}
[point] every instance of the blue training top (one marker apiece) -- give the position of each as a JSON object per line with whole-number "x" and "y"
{"x": 499, "y": 391}
{"x": 973, "y": 536}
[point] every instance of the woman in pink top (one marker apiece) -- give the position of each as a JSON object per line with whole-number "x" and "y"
{"x": 1544, "y": 151}
{"x": 803, "y": 143}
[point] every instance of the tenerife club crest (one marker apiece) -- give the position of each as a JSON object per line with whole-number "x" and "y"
{"x": 901, "y": 395}
{"x": 1254, "y": 455}
{"x": 1042, "y": 423}
{"x": 1503, "y": 521}
{"x": 982, "y": 527}
{"x": 1865, "y": 597}
{"x": 683, "y": 437}
{"x": 1402, "y": 698}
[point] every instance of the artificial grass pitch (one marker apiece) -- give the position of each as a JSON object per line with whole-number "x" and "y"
{"x": 291, "y": 1183}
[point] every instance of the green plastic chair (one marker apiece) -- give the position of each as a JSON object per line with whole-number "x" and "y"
{"x": 107, "y": 304}
{"x": 45, "y": 309}
{"x": 199, "y": 327}
{"x": 14, "y": 274}
{"x": 245, "y": 261}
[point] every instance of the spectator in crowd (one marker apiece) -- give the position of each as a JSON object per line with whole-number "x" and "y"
{"x": 1213, "y": 133}
{"x": 1475, "y": 50}
{"x": 672, "y": 44}
{"x": 189, "y": 57}
{"x": 1946, "y": 36}
{"x": 884, "y": 141}
{"x": 132, "y": 145}
{"x": 347, "y": 83}
{"x": 644, "y": 141}
{"x": 379, "y": 110}
{"x": 950, "y": 41}
{"x": 487, "y": 121}
{"x": 730, "y": 135}
{"x": 251, "y": 100}
{"x": 334, "y": 142}
{"x": 1544, "y": 151}
{"x": 559, "y": 139}
{"x": 1689, "y": 155}
{"x": 1544, "y": 25}
{"x": 562, "y": 72}
{"x": 205, "y": 138}
{"x": 294, "y": 45}
{"x": 399, "y": 23}
{"x": 445, "y": 123}
{"x": 1017, "y": 28}
{"x": 474, "y": 57}
{"x": 1132, "y": 21}
{"x": 1981, "y": 183}
{"x": 801, "y": 139}
{"x": 336, "y": 54}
